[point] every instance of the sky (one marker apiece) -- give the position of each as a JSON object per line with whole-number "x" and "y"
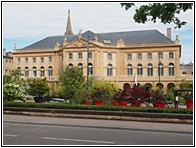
{"x": 24, "y": 23}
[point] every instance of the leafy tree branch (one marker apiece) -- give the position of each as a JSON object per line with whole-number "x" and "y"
{"x": 165, "y": 12}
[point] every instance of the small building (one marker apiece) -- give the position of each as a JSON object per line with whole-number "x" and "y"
{"x": 7, "y": 62}
{"x": 186, "y": 71}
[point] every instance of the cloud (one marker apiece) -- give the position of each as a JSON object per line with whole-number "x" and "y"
{"x": 37, "y": 20}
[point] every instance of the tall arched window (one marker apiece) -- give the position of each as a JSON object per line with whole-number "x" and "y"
{"x": 34, "y": 74}
{"x": 109, "y": 70}
{"x": 42, "y": 72}
{"x": 150, "y": 70}
{"x": 90, "y": 69}
{"x": 129, "y": 70}
{"x": 160, "y": 69}
{"x": 139, "y": 69}
{"x": 171, "y": 69}
{"x": 26, "y": 72}
{"x": 80, "y": 67}
{"x": 50, "y": 71}
{"x": 19, "y": 70}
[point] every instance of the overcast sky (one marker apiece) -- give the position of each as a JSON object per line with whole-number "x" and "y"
{"x": 27, "y": 22}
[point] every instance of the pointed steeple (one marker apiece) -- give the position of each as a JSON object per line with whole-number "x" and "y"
{"x": 68, "y": 29}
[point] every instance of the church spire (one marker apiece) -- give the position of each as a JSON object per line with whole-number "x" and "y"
{"x": 68, "y": 29}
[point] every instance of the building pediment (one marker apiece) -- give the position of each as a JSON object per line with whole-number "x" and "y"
{"x": 80, "y": 43}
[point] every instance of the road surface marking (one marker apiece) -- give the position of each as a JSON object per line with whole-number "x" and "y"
{"x": 51, "y": 138}
{"x": 10, "y": 135}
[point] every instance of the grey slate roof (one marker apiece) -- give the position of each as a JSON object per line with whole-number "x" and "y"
{"x": 189, "y": 65}
{"x": 129, "y": 37}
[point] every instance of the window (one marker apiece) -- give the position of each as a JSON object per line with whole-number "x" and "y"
{"x": 50, "y": 59}
{"x": 19, "y": 70}
{"x": 26, "y": 72}
{"x": 139, "y": 56}
{"x": 129, "y": 70}
{"x": 171, "y": 55}
{"x": 150, "y": 56}
{"x": 70, "y": 56}
{"x": 184, "y": 73}
{"x": 34, "y": 72}
{"x": 160, "y": 55}
{"x": 150, "y": 70}
{"x": 18, "y": 60}
{"x": 160, "y": 69}
{"x": 26, "y": 60}
{"x": 90, "y": 69}
{"x": 171, "y": 69}
{"x": 139, "y": 69}
{"x": 79, "y": 55}
{"x": 109, "y": 70}
{"x": 80, "y": 67}
{"x": 42, "y": 72}
{"x": 50, "y": 71}
{"x": 90, "y": 55}
{"x": 34, "y": 60}
{"x": 70, "y": 65}
{"x": 42, "y": 60}
{"x": 129, "y": 57}
{"x": 109, "y": 56}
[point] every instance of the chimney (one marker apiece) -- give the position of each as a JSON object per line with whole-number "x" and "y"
{"x": 4, "y": 52}
{"x": 169, "y": 33}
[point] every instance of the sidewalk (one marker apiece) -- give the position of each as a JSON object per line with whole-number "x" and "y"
{"x": 96, "y": 123}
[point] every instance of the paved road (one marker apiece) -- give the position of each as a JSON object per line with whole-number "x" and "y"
{"x": 30, "y": 130}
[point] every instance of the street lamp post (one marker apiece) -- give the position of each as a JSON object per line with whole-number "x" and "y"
{"x": 159, "y": 72}
{"x": 87, "y": 63}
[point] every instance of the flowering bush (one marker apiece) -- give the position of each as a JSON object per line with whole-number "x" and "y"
{"x": 135, "y": 94}
{"x": 11, "y": 92}
{"x": 139, "y": 94}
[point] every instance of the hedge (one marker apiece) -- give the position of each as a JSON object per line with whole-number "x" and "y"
{"x": 94, "y": 107}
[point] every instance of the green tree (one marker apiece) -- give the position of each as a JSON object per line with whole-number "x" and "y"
{"x": 165, "y": 12}
{"x": 38, "y": 87}
{"x": 186, "y": 85}
{"x": 73, "y": 82}
{"x": 15, "y": 76}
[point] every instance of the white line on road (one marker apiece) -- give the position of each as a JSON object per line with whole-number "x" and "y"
{"x": 10, "y": 135}
{"x": 51, "y": 138}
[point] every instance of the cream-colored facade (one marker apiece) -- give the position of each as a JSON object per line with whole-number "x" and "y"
{"x": 186, "y": 71}
{"x": 103, "y": 59}
{"x": 119, "y": 61}
{"x": 7, "y": 62}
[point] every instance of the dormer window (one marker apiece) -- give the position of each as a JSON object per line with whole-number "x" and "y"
{"x": 107, "y": 42}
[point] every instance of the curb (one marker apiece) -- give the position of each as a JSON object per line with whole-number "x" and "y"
{"x": 97, "y": 114}
{"x": 101, "y": 127}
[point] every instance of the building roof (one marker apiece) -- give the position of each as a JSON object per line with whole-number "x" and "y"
{"x": 129, "y": 37}
{"x": 189, "y": 65}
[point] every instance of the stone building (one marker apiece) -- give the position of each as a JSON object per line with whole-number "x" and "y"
{"x": 186, "y": 71}
{"x": 7, "y": 62}
{"x": 148, "y": 55}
